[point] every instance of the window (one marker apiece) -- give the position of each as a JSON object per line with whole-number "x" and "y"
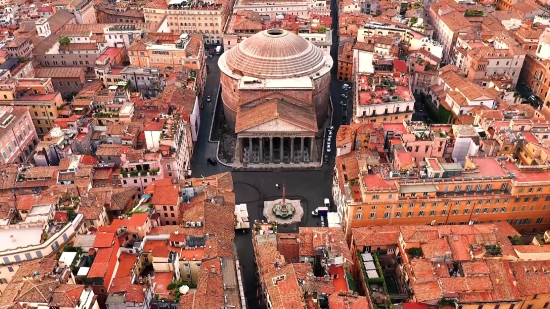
{"x": 10, "y": 269}
{"x": 28, "y": 256}
{"x": 39, "y": 254}
{"x": 478, "y": 210}
{"x": 373, "y": 208}
{"x": 432, "y": 213}
{"x": 503, "y": 209}
{"x": 485, "y": 210}
{"x": 444, "y": 212}
{"x": 372, "y": 215}
{"x": 421, "y": 213}
{"x": 466, "y": 211}
{"x": 539, "y": 220}
{"x": 455, "y": 211}
{"x": 410, "y": 214}
{"x": 387, "y": 215}
{"x": 7, "y": 261}
{"x": 398, "y": 214}
{"x": 359, "y": 216}
{"x": 375, "y": 197}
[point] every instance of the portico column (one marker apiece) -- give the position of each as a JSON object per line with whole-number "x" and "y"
{"x": 301, "y": 149}
{"x": 271, "y": 150}
{"x": 282, "y": 147}
{"x": 250, "y": 148}
{"x": 311, "y": 149}
{"x": 240, "y": 149}
{"x": 292, "y": 150}
{"x": 261, "y": 150}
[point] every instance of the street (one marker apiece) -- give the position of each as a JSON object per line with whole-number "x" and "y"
{"x": 203, "y": 148}
{"x": 255, "y": 187}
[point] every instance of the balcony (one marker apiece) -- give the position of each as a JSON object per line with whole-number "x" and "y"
{"x": 136, "y": 173}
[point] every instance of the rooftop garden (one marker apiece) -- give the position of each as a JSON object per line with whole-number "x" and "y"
{"x": 415, "y": 252}
{"x": 474, "y": 13}
{"x": 372, "y": 282}
{"x": 176, "y": 285}
{"x": 515, "y": 240}
{"x": 67, "y": 202}
{"x": 493, "y": 250}
{"x": 135, "y": 173}
{"x": 74, "y": 265}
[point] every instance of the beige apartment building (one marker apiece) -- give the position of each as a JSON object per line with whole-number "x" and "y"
{"x": 482, "y": 190}
{"x": 190, "y": 17}
{"x": 36, "y": 93}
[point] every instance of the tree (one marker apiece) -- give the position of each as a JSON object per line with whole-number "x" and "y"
{"x": 322, "y": 29}
{"x": 64, "y": 41}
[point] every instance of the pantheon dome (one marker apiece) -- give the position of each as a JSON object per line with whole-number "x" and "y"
{"x": 272, "y": 61}
{"x": 275, "y": 53}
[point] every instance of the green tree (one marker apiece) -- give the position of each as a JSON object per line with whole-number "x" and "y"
{"x": 322, "y": 29}
{"x": 64, "y": 41}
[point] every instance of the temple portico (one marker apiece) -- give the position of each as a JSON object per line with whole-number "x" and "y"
{"x": 276, "y": 148}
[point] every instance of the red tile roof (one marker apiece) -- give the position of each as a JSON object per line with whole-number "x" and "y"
{"x": 166, "y": 194}
{"x": 104, "y": 240}
{"x": 161, "y": 251}
{"x": 101, "y": 263}
{"x": 133, "y": 292}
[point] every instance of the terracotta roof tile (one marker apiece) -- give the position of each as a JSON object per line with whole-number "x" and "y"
{"x": 104, "y": 240}
{"x": 276, "y": 108}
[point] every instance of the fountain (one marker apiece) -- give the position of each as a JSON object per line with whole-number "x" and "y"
{"x": 283, "y": 211}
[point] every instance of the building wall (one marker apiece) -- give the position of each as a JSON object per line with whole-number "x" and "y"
{"x": 52, "y": 245}
{"x": 42, "y": 112}
{"x": 189, "y": 270}
{"x": 18, "y": 144}
{"x": 24, "y": 50}
{"x": 516, "y": 205}
{"x": 537, "y": 77}
{"x": 233, "y": 97}
{"x": 168, "y": 214}
{"x": 102, "y": 220}
{"x": 67, "y": 85}
{"x": 385, "y": 112}
{"x": 192, "y": 21}
{"x": 104, "y": 17}
{"x": 86, "y": 15}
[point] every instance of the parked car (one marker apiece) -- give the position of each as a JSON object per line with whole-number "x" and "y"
{"x": 212, "y": 161}
{"x": 208, "y": 99}
{"x": 346, "y": 87}
{"x": 342, "y": 103}
{"x": 322, "y": 221}
{"x": 326, "y": 202}
{"x": 322, "y": 211}
{"x": 345, "y": 96}
{"x": 328, "y": 148}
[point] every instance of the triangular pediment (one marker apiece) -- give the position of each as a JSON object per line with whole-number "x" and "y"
{"x": 277, "y": 125}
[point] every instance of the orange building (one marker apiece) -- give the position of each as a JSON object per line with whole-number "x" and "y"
{"x": 485, "y": 190}
{"x": 37, "y": 94}
{"x": 168, "y": 50}
{"x": 345, "y": 62}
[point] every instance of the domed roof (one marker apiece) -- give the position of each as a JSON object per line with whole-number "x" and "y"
{"x": 275, "y": 53}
